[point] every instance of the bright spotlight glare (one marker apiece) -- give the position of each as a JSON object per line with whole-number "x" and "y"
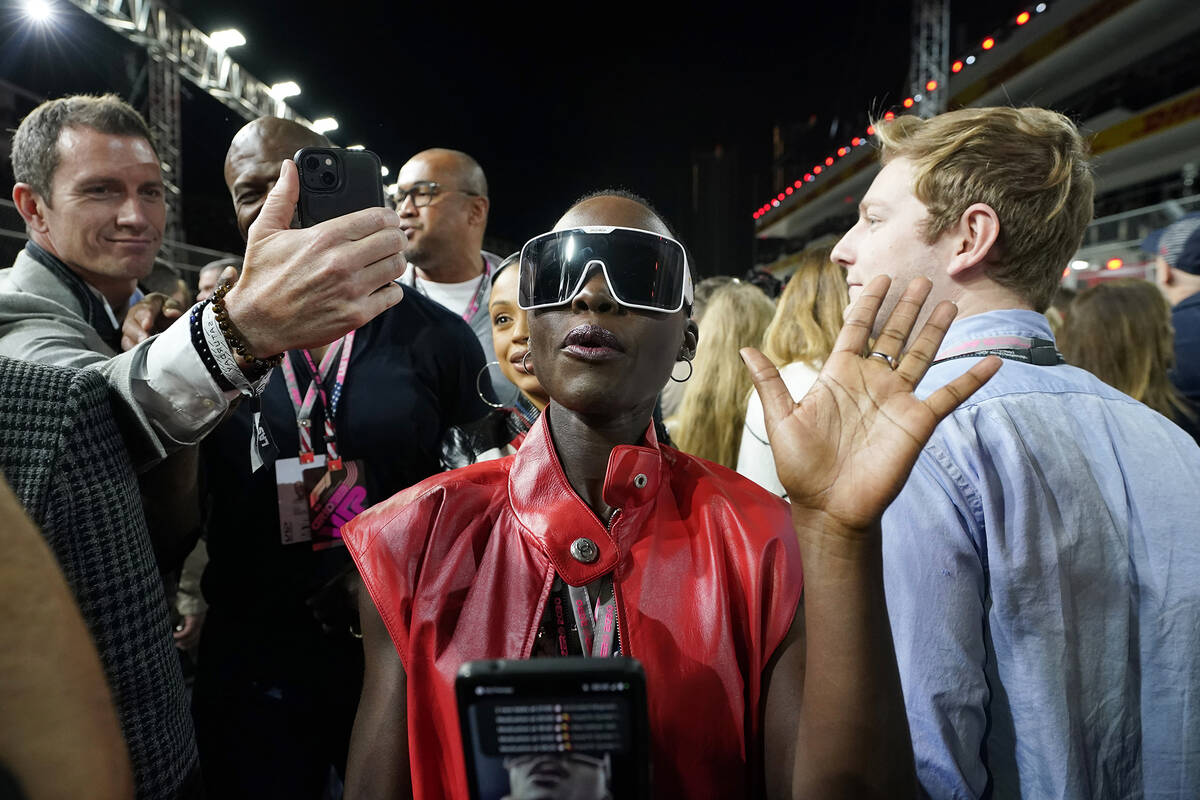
{"x": 383, "y": 171}
{"x": 223, "y": 40}
{"x": 40, "y": 11}
{"x": 324, "y": 124}
{"x": 1080, "y": 264}
{"x": 358, "y": 147}
{"x": 284, "y": 90}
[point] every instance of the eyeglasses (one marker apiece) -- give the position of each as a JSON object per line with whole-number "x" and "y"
{"x": 644, "y": 270}
{"x": 423, "y": 192}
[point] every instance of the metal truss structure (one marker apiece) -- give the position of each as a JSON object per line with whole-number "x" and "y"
{"x": 177, "y": 49}
{"x": 930, "y": 62}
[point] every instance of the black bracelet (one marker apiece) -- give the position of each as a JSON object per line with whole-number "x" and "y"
{"x": 196, "y": 326}
{"x": 237, "y": 343}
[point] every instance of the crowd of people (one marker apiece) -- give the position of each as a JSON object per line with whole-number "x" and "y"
{"x": 924, "y": 543}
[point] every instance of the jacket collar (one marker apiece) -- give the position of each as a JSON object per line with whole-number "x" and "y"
{"x": 554, "y": 516}
{"x": 41, "y": 273}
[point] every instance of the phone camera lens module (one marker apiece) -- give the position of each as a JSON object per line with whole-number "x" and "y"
{"x": 312, "y": 162}
{"x": 328, "y": 178}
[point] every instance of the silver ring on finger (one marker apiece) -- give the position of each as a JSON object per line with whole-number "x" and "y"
{"x": 892, "y": 361}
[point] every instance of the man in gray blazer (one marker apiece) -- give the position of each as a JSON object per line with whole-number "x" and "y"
{"x": 89, "y": 187}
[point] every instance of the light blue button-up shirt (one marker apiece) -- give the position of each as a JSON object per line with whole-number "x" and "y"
{"x": 1042, "y": 567}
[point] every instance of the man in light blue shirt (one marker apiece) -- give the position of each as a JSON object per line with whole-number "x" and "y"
{"x": 1042, "y": 563}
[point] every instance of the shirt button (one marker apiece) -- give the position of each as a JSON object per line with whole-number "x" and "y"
{"x": 584, "y": 550}
{"x": 640, "y": 481}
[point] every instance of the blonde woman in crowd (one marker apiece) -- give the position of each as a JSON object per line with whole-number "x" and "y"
{"x": 709, "y": 421}
{"x": 1120, "y": 331}
{"x": 798, "y": 340}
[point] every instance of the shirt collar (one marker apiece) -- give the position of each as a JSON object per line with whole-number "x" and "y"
{"x": 554, "y": 516}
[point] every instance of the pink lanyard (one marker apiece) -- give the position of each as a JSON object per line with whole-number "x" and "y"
{"x": 475, "y": 301}
{"x": 304, "y": 407}
{"x": 597, "y": 627}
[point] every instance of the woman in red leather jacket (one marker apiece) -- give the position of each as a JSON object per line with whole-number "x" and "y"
{"x": 750, "y": 691}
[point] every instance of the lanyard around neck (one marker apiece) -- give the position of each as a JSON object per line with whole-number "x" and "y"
{"x": 476, "y": 301}
{"x": 1030, "y": 350}
{"x": 303, "y": 406}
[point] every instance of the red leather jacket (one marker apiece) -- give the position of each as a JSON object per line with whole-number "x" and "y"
{"x": 707, "y": 578}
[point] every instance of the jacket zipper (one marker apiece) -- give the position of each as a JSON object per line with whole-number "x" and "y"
{"x": 617, "y": 617}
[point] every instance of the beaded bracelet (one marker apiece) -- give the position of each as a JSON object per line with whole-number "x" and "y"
{"x": 234, "y": 337}
{"x": 195, "y": 326}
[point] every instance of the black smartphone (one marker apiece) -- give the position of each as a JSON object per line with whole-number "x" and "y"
{"x": 555, "y": 728}
{"x": 334, "y": 182}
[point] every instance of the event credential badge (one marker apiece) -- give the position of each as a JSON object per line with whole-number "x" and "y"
{"x": 315, "y": 502}
{"x": 335, "y": 496}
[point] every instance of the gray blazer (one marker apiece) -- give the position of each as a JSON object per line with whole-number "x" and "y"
{"x": 42, "y": 320}
{"x": 61, "y": 452}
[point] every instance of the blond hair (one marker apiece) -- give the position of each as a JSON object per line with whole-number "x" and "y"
{"x": 1120, "y": 331}
{"x": 1030, "y": 165}
{"x": 809, "y": 313}
{"x": 710, "y": 418}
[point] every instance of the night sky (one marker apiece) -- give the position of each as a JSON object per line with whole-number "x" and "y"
{"x": 553, "y": 101}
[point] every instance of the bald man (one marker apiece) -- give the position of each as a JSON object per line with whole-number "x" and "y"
{"x": 252, "y": 163}
{"x": 279, "y": 668}
{"x": 442, "y": 199}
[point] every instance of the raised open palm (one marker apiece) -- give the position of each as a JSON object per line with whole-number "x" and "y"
{"x": 846, "y": 449}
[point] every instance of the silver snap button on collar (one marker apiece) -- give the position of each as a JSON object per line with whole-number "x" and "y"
{"x": 584, "y": 550}
{"x": 640, "y": 480}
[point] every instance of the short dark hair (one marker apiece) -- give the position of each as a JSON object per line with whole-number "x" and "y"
{"x": 35, "y": 153}
{"x": 625, "y": 194}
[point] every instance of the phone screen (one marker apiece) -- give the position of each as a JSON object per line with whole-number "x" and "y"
{"x": 556, "y": 733}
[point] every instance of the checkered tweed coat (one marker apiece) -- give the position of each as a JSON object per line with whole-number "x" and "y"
{"x": 61, "y": 452}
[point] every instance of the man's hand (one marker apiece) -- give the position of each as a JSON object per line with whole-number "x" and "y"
{"x": 153, "y": 314}
{"x": 846, "y": 449}
{"x": 187, "y": 633}
{"x": 305, "y": 288}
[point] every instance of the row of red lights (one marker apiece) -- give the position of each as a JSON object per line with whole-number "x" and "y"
{"x": 930, "y": 86}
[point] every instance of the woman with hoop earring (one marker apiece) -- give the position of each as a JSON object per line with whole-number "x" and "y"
{"x": 500, "y": 432}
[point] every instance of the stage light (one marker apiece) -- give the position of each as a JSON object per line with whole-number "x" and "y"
{"x": 931, "y": 86}
{"x": 281, "y": 91}
{"x": 1040, "y": 7}
{"x": 775, "y": 203}
{"x": 799, "y": 184}
{"x": 817, "y": 169}
{"x": 956, "y": 66}
{"x": 383, "y": 171}
{"x": 970, "y": 60}
{"x": 889, "y": 116}
{"x": 781, "y": 196}
{"x": 842, "y": 151}
{"x": 223, "y": 40}
{"x": 808, "y": 177}
{"x": 358, "y": 147}
{"x": 870, "y": 130}
{"x": 39, "y": 11}
{"x": 855, "y": 142}
{"x": 1114, "y": 263}
{"x": 324, "y": 124}
{"x": 1023, "y": 17}
{"x": 988, "y": 43}
{"x": 829, "y": 161}
{"x": 1080, "y": 264}
{"x": 908, "y": 102}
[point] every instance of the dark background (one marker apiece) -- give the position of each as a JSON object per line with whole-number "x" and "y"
{"x": 554, "y": 101}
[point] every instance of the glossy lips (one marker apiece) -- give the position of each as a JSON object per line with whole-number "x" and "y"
{"x": 592, "y": 343}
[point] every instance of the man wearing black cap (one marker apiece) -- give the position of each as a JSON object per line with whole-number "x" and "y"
{"x": 1178, "y": 272}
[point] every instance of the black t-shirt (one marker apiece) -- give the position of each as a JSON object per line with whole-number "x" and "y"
{"x": 411, "y": 376}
